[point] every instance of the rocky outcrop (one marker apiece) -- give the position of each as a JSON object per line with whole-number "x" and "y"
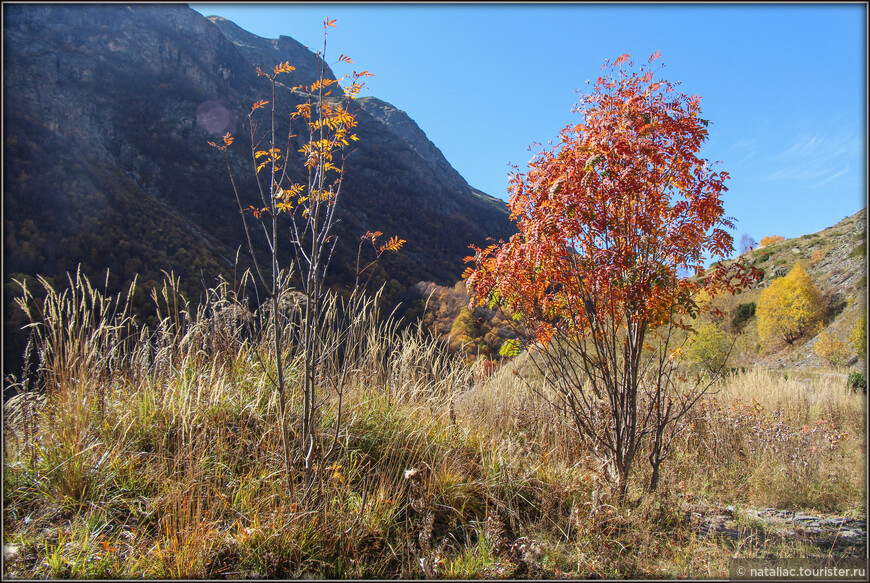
{"x": 834, "y": 535}
{"x": 266, "y": 53}
{"x": 407, "y": 130}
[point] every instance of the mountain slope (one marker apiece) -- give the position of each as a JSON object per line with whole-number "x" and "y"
{"x": 107, "y": 114}
{"x": 266, "y": 53}
{"x": 835, "y": 258}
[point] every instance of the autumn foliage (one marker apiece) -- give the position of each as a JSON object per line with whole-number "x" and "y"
{"x": 832, "y": 348}
{"x": 610, "y": 219}
{"x": 710, "y": 346}
{"x": 611, "y": 216}
{"x": 327, "y": 125}
{"x": 858, "y": 335}
{"x": 771, "y": 239}
{"x": 791, "y": 308}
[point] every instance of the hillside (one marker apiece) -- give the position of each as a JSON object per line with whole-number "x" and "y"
{"x": 107, "y": 113}
{"x": 835, "y": 258}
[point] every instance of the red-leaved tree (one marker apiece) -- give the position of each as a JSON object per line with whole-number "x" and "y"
{"x": 610, "y": 221}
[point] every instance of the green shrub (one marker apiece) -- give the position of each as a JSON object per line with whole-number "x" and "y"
{"x": 743, "y": 314}
{"x": 857, "y": 382}
{"x": 710, "y": 347}
{"x": 859, "y": 251}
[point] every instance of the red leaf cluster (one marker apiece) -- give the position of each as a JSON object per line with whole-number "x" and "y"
{"x": 614, "y": 216}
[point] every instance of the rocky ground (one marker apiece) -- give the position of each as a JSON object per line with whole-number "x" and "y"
{"x": 835, "y": 536}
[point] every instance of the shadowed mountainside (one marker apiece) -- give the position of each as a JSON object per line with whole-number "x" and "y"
{"x": 107, "y": 114}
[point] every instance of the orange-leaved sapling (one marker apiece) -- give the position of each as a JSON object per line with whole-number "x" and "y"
{"x": 616, "y": 222}
{"x": 324, "y": 116}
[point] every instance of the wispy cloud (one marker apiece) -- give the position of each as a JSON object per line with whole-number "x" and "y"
{"x": 748, "y": 148}
{"x": 831, "y": 178}
{"x": 804, "y": 146}
{"x": 815, "y": 159}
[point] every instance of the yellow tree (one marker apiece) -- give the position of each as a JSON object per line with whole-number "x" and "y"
{"x": 791, "y": 308}
{"x": 832, "y": 348}
{"x": 710, "y": 347}
{"x": 769, "y": 240}
{"x": 858, "y": 336}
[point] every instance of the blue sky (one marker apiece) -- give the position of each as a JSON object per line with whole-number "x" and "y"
{"x": 783, "y": 85}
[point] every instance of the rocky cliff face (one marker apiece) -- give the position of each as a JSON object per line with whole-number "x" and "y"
{"x": 408, "y": 131}
{"x": 266, "y": 53}
{"x": 107, "y": 114}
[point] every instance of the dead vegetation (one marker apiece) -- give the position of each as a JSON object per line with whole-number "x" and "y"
{"x": 156, "y": 453}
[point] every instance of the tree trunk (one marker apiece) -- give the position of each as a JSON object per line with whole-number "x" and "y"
{"x": 654, "y": 479}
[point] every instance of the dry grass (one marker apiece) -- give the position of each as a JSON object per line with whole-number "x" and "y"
{"x": 157, "y": 454}
{"x": 790, "y": 441}
{"x": 802, "y": 395}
